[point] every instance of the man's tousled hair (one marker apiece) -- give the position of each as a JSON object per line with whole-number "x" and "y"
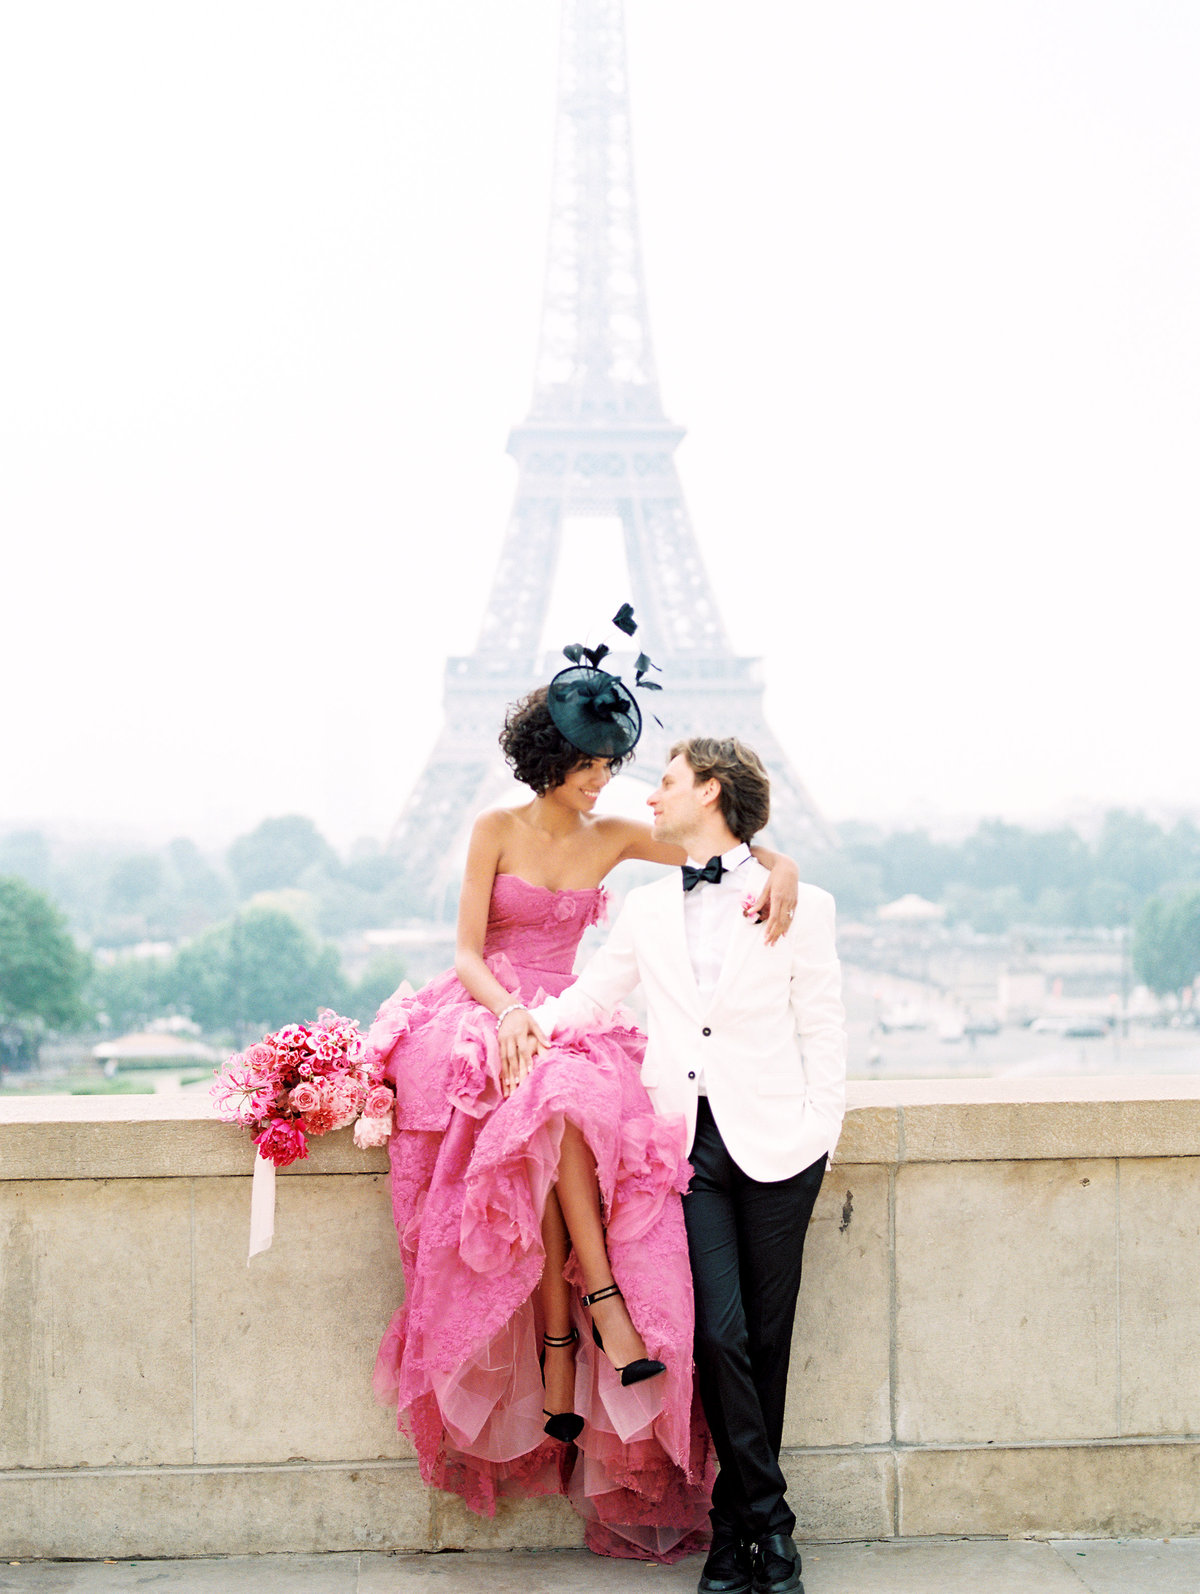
{"x": 745, "y": 786}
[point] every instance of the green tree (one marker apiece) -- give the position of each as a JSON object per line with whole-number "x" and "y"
{"x": 910, "y": 860}
{"x": 987, "y": 912}
{"x": 854, "y": 880}
{"x": 26, "y": 853}
{"x": 130, "y": 991}
{"x": 42, "y": 971}
{"x": 276, "y": 853}
{"x": 1134, "y": 852}
{"x": 1166, "y": 941}
{"x": 1000, "y": 855}
{"x": 370, "y": 867}
{"x": 257, "y": 971}
{"x": 383, "y": 974}
{"x": 136, "y": 883}
{"x": 195, "y": 880}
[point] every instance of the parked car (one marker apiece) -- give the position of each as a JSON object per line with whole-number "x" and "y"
{"x": 982, "y": 1024}
{"x": 1085, "y": 1028}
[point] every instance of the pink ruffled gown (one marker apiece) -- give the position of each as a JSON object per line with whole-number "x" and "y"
{"x": 470, "y": 1174}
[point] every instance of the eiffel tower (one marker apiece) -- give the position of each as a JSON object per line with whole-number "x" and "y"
{"x": 597, "y": 443}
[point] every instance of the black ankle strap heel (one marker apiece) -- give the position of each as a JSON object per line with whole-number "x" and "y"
{"x": 562, "y": 1425}
{"x": 633, "y": 1372}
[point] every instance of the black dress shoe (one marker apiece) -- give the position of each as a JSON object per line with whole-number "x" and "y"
{"x": 728, "y": 1568}
{"x": 777, "y": 1566}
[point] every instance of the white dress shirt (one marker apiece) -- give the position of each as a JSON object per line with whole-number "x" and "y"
{"x": 711, "y": 910}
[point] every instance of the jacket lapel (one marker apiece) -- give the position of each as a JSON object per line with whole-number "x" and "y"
{"x": 674, "y": 947}
{"x": 746, "y": 933}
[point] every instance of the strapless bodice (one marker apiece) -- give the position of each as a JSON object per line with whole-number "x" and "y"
{"x": 537, "y": 928}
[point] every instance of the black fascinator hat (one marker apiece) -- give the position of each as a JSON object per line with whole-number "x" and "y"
{"x": 593, "y": 709}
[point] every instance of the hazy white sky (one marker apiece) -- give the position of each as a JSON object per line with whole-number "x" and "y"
{"x": 923, "y": 281}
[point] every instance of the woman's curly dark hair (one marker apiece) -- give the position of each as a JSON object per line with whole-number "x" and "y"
{"x": 539, "y": 754}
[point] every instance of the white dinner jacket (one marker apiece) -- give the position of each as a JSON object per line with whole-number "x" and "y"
{"x": 771, "y": 1038}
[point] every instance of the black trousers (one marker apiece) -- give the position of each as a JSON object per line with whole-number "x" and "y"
{"x": 746, "y": 1242}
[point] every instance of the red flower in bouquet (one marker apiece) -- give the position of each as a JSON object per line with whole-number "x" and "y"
{"x": 282, "y": 1142}
{"x": 301, "y": 1080}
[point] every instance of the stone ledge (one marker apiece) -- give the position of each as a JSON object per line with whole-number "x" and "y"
{"x": 1106, "y": 1491}
{"x": 91, "y": 1514}
{"x": 1115, "y": 1488}
{"x": 147, "y": 1137}
{"x": 922, "y": 1120}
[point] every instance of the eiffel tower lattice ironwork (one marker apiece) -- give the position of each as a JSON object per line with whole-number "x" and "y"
{"x": 596, "y": 442}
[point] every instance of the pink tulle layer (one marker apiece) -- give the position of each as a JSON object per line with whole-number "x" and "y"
{"x": 470, "y": 1176}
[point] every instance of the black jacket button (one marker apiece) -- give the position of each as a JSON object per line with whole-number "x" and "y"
{"x": 706, "y": 1030}
{"x": 691, "y": 1073}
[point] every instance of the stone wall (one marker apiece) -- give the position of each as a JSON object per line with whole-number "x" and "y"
{"x": 999, "y": 1331}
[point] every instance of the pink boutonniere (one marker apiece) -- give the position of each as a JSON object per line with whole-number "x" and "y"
{"x": 750, "y": 905}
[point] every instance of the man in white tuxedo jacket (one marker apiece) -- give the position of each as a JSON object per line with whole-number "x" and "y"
{"x": 746, "y": 1041}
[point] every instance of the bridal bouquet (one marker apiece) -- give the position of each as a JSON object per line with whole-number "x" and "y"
{"x": 305, "y": 1080}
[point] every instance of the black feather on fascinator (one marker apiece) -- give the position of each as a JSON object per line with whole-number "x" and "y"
{"x": 593, "y": 709}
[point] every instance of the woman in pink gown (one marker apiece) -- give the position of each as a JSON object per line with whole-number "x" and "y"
{"x": 519, "y": 1191}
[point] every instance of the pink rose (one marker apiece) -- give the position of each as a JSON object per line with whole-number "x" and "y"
{"x": 379, "y": 1101}
{"x": 338, "y": 1106}
{"x": 370, "y": 1132}
{"x": 305, "y": 1098}
{"x": 282, "y": 1142}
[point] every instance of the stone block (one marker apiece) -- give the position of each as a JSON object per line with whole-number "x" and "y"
{"x": 869, "y": 1134}
{"x": 1125, "y": 1566}
{"x": 550, "y": 1523}
{"x": 285, "y": 1347}
{"x": 985, "y": 1567}
{"x": 303, "y": 1510}
{"x": 570, "y": 1571}
{"x": 1160, "y": 1297}
{"x": 839, "y": 1377}
{"x": 969, "y": 1120}
{"x": 1101, "y": 1490}
{"x": 95, "y": 1353}
{"x": 840, "y": 1494}
{"x": 147, "y": 1137}
{"x": 1006, "y": 1301}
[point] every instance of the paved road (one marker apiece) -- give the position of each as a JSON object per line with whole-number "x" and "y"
{"x": 1068, "y": 1566}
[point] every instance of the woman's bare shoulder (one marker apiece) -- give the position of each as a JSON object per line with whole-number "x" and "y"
{"x": 496, "y": 822}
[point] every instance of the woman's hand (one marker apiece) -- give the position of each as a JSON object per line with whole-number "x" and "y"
{"x": 520, "y": 1042}
{"x": 777, "y": 904}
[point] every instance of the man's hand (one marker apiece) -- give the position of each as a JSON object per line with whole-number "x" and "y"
{"x": 520, "y": 1042}
{"x": 777, "y": 904}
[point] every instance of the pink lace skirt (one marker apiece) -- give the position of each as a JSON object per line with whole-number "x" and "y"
{"x": 460, "y": 1359}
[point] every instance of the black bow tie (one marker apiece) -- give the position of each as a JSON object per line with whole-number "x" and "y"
{"x": 713, "y": 870}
